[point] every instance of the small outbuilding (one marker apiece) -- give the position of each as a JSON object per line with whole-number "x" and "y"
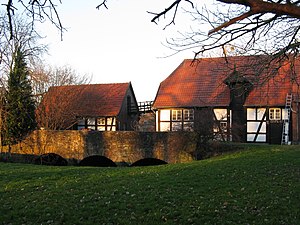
{"x": 102, "y": 107}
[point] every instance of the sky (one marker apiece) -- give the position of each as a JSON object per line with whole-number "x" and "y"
{"x": 116, "y": 45}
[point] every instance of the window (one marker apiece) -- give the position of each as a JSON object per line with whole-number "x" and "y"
{"x": 164, "y": 126}
{"x": 275, "y": 114}
{"x": 81, "y": 124}
{"x": 111, "y": 123}
{"x": 256, "y": 113}
{"x": 176, "y": 115}
{"x": 101, "y": 124}
{"x": 188, "y": 114}
{"x": 101, "y": 121}
{"x": 164, "y": 115}
{"x": 257, "y": 124}
{"x": 175, "y": 120}
{"x": 251, "y": 113}
{"x": 222, "y": 121}
{"x": 90, "y": 121}
{"x": 188, "y": 126}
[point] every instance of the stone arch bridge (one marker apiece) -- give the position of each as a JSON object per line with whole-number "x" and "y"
{"x": 119, "y": 146}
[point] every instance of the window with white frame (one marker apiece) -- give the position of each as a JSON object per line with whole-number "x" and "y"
{"x": 101, "y": 123}
{"x": 257, "y": 124}
{"x": 222, "y": 117}
{"x": 275, "y": 114}
{"x": 188, "y": 114}
{"x": 111, "y": 123}
{"x": 176, "y": 115}
{"x": 175, "y": 120}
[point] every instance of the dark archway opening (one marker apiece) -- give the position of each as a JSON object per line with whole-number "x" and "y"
{"x": 51, "y": 159}
{"x": 98, "y": 161}
{"x": 149, "y": 162}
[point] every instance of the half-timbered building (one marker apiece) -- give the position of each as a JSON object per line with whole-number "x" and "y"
{"x": 237, "y": 98}
{"x": 102, "y": 107}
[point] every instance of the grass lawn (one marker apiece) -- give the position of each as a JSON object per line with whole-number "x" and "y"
{"x": 257, "y": 186}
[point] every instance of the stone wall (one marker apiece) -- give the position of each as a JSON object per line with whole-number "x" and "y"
{"x": 122, "y": 146}
{"x": 68, "y": 144}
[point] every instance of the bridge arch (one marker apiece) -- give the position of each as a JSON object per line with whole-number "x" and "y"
{"x": 149, "y": 162}
{"x": 97, "y": 161}
{"x": 51, "y": 159}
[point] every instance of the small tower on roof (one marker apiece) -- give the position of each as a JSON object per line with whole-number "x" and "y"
{"x": 239, "y": 87}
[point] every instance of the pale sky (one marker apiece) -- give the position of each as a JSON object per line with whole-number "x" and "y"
{"x": 116, "y": 45}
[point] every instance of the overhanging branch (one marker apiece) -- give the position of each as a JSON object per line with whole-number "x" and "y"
{"x": 230, "y": 22}
{"x": 259, "y": 6}
{"x": 102, "y": 4}
{"x": 163, "y": 13}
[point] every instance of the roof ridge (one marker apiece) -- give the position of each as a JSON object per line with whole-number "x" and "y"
{"x": 93, "y": 84}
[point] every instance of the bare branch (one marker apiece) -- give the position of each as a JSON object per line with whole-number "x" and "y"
{"x": 10, "y": 10}
{"x": 40, "y": 9}
{"x": 258, "y": 6}
{"x": 230, "y": 22}
{"x": 163, "y": 13}
{"x": 102, "y": 4}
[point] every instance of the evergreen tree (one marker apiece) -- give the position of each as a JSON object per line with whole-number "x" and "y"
{"x": 20, "y": 107}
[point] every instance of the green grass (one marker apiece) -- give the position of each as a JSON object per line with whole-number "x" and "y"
{"x": 257, "y": 186}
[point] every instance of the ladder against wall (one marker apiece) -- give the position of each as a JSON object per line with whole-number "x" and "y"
{"x": 286, "y": 120}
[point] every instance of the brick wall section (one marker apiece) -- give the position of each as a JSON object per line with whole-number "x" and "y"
{"x": 121, "y": 146}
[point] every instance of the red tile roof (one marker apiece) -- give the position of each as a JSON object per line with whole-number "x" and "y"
{"x": 201, "y": 83}
{"x": 89, "y": 100}
{"x": 273, "y": 92}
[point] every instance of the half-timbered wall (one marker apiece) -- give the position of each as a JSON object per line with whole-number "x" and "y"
{"x": 265, "y": 124}
{"x": 97, "y": 123}
{"x": 204, "y": 120}
{"x": 125, "y": 120}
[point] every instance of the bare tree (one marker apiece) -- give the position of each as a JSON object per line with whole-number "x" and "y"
{"x": 57, "y": 110}
{"x": 43, "y": 77}
{"x": 242, "y": 31}
{"x": 55, "y": 105}
{"x": 245, "y": 26}
{"x": 24, "y": 38}
{"x": 35, "y": 10}
{"x": 236, "y": 26}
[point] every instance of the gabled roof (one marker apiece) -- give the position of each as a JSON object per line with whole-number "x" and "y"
{"x": 202, "y": 83}
{"x": 90, "y": 100}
